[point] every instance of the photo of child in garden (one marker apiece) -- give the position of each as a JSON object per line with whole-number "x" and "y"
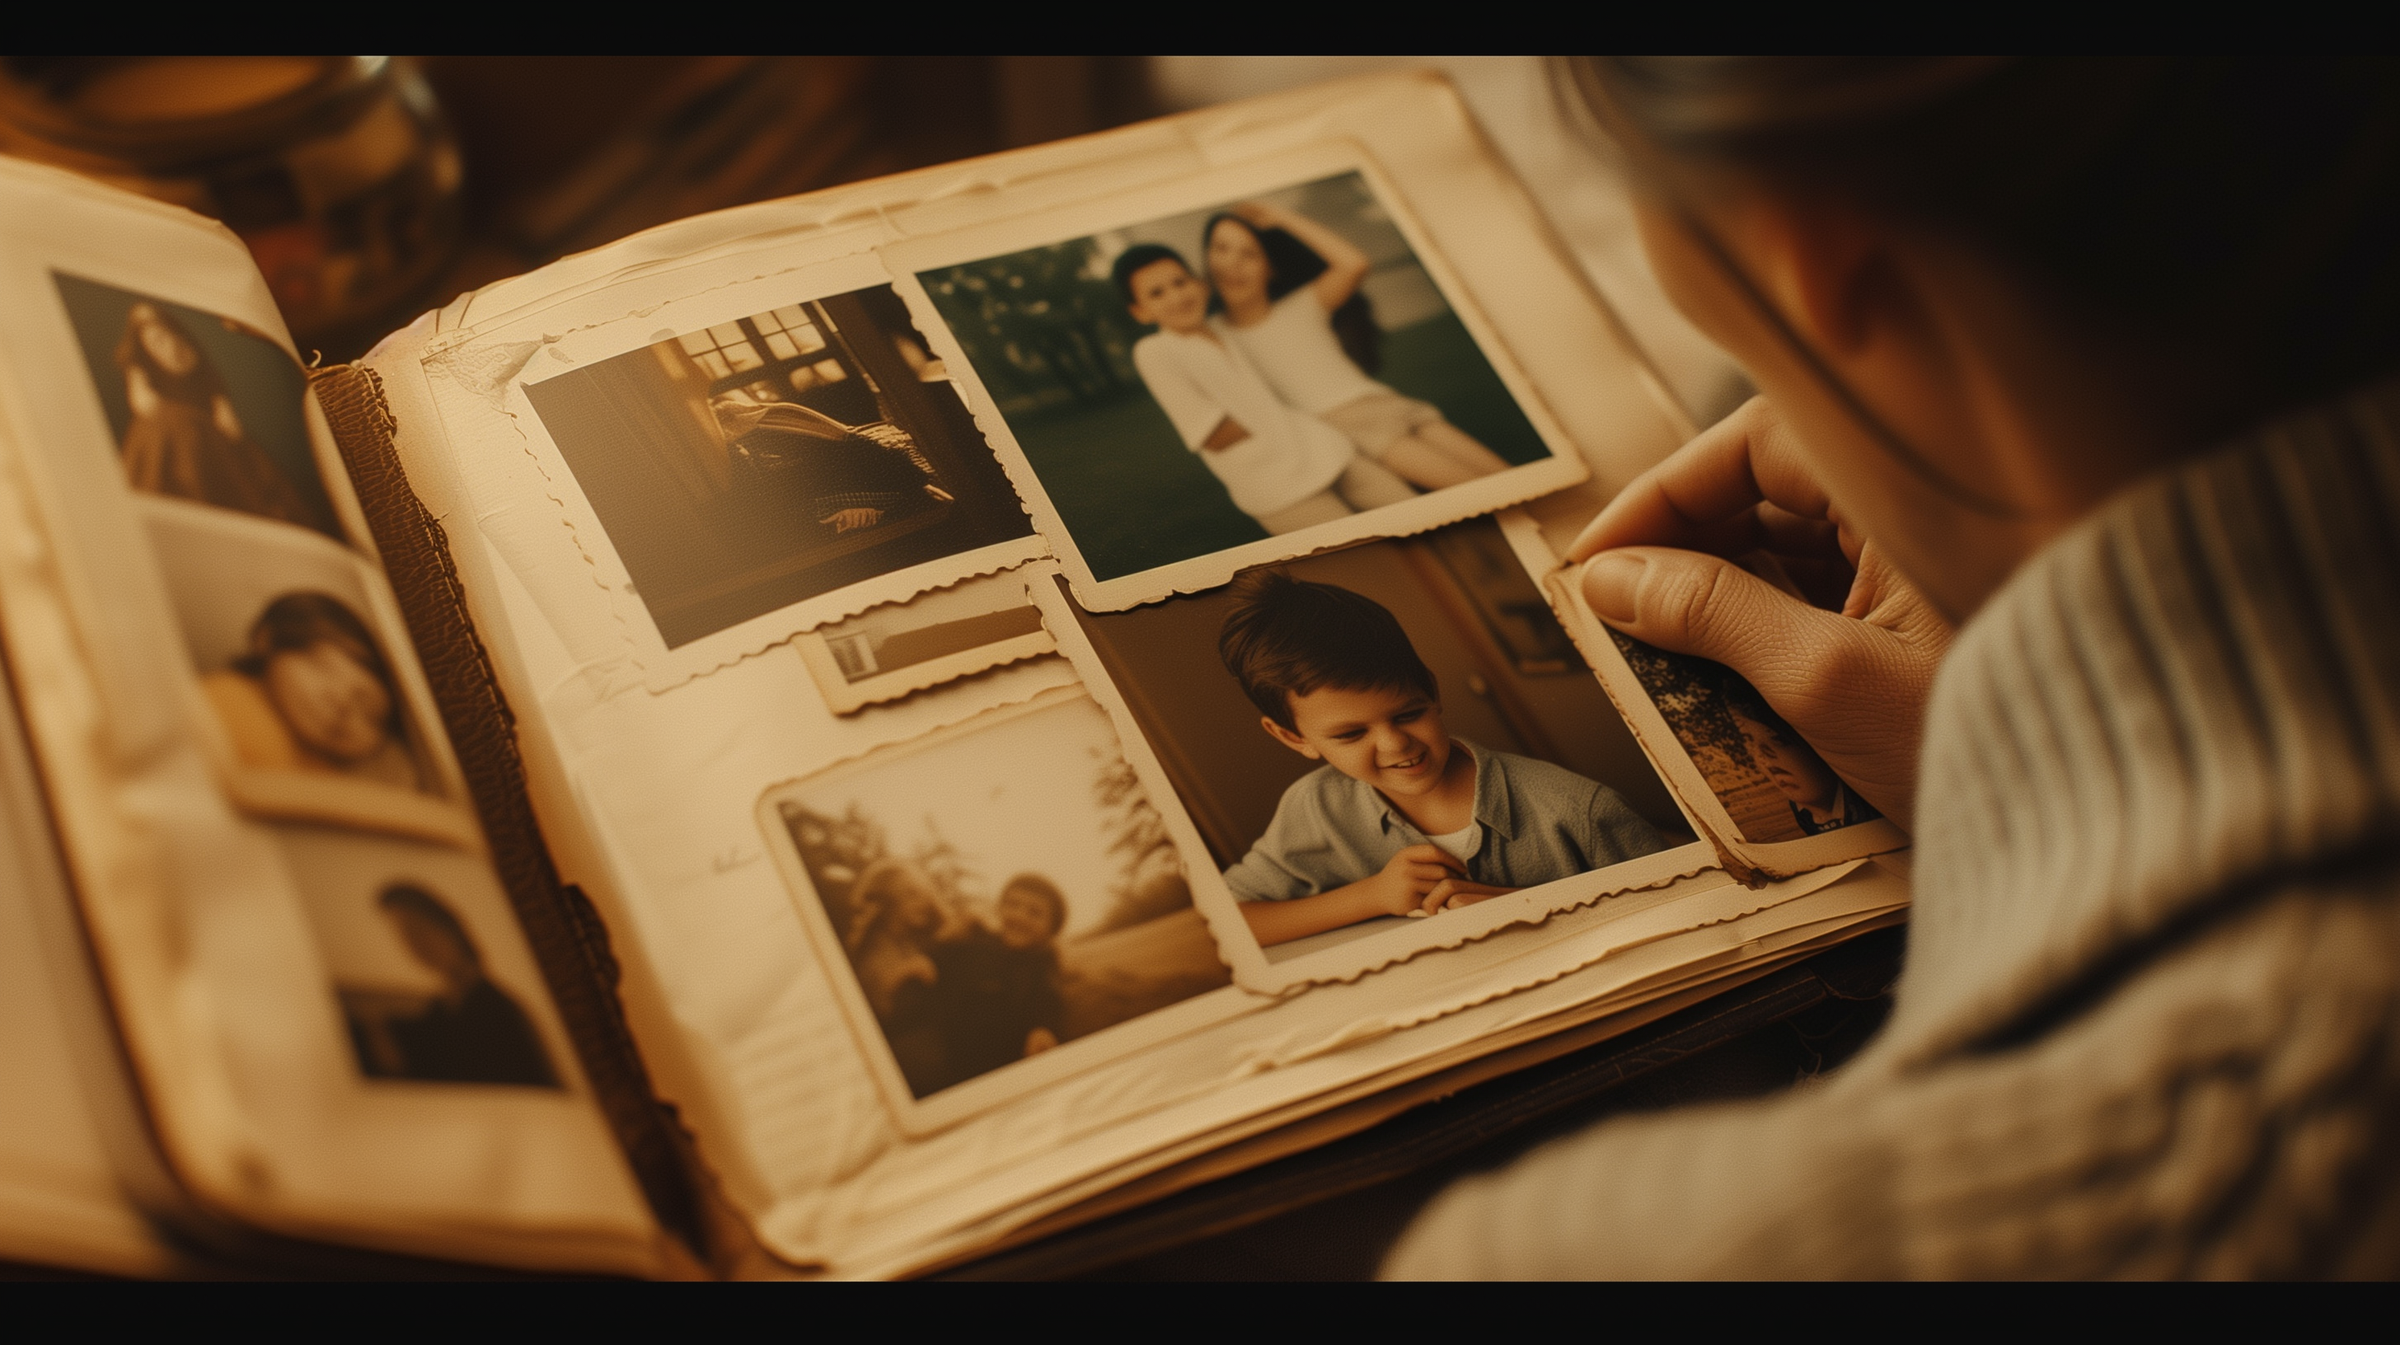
{"x": 1243, "y": 371}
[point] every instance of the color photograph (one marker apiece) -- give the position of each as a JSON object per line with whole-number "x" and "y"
{"x": 1244, "y": 379}
{"x": 1391, "y": 733}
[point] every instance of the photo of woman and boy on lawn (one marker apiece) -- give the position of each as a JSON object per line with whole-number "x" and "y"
{"x": 1251, "y": 369}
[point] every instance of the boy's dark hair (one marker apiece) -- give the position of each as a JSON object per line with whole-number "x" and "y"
{"x": 1743, "y": 699}
{"x": 1046, "y": 890}
{"x": 1287, "y": 637}
{"x": 1138, "y": 256}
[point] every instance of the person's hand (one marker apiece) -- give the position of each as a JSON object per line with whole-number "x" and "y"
{"x": 1402, "y": 886}
{"x": 1853, "y": 684}
{"x": 1256, "y": 214}
{"x": 1452, "y": 893}
{"x": 846, "y": 520}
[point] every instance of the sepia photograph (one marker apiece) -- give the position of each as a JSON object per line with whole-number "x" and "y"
{"x": 201, "y": 407}
{"x": 1773, "y": 785}
{"x": 896, "y": 649}
{"x": 432, "y": 977}
{"x": 991, "y": 894}
{"x": 1243, "y": 379}
{"x": 779, "y": 456}
{"x": 1391, "y": 733}
{"x": 312, "y": 718}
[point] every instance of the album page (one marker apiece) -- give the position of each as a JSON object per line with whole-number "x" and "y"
{"x": 859, "y": 569}
{"x": 324, "y": 997}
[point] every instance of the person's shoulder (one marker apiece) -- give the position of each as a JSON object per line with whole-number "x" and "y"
{"x": 1534, "y": 773}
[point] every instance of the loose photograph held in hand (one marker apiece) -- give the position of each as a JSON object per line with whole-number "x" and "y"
{"x": 1766, "y": 799}
{"x": 998, "y": 905}
{"x": 806, "y": 459}
{"x": 1243, "y": 366}
{"x": 1377, "y": 751}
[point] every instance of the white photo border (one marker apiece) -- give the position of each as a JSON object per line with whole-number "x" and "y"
{"x": 908, "y": 261}
{"x": 1347, "y": 961}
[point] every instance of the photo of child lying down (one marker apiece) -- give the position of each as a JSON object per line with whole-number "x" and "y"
{"x": 1357, "y": 739}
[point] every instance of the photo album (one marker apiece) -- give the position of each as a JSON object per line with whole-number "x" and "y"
{"x": 846, "y": 734}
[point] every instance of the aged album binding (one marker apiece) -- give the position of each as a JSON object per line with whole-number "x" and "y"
{"x": 849, "y": 733}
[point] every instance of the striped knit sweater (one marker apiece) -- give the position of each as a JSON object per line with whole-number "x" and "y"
{"x": 2150, "y": 1023}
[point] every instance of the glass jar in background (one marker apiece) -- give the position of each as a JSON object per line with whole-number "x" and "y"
{"x": 338, "y": 171}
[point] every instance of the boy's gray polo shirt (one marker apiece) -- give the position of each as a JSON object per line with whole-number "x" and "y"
{"x": 1540, "y": 822}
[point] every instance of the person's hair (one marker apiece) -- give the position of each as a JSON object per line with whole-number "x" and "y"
{"x": 408, "y": 899}
{"x": 874, "y": 901}
{"x": 1288, "y": 637}
{"x": 2238, "y": 214}
{"x": 1291, "y": 264}
{"x": 297, "y": 621}
{"x": 1046, "y": 890}
{"x": 198, "y": 386}
{"x": 1743, "y": 699}
{"x": 1138, "y": 256}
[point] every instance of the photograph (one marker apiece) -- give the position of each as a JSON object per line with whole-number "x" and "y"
{"x": 779, "y": 456}
{"x": 201, "y": 408}
{"x": 1391, "y": 732}
{"x": 431, "y": 975}
{"x": 990, "y": 894}
{"x": 312, "y": 718}
{"x": 1248, "y": 378}
{"x": 897, "y": 649}
{"x": 1773, "y": 785}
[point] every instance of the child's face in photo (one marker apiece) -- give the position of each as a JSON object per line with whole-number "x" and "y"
{"x": 1166, "y": 295}
{"x": 1391, "y": 739}
{"x": 1797, "y": 772}
{"x": 334, "y": 704}
{"x": 1025, "y": 918}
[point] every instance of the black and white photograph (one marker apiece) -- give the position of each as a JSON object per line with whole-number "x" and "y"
{"x": 1242, "y": 379}
{"x": 778, "y": 456}
{"x": 1391, "y": 733}
{"x": 896, "y": 649}
{"x": 991, "y": 894}
{"x": 313, "y": 716}
{"x": 431, "y": 976}
{"x": 200, "y": 407}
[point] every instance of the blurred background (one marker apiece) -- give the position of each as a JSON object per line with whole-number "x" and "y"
{"x": 373, "y": 188}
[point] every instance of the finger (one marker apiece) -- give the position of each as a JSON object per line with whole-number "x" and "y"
{"x": 1691, "y": 603}
{"x": 1438, "y": 897}
{"x": 1704, "y": 495}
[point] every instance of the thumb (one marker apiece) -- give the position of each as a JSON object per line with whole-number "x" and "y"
{"x": 1688, "y": 602}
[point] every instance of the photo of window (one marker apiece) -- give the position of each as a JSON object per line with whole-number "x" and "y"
{"x": 775, "y": 457}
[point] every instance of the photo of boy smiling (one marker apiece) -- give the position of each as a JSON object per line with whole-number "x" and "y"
{"x": 1402, "y": 819}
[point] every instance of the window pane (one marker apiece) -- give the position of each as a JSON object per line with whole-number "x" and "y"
{"x": 715, "y": 364}
{"x": 808, "y": 336}
{"x": 697, "y": 343}
{"x": 830, "y": 370}
{"x": 743, "y": 355}
{"x": 803, "y": 380}
{"x": 728, "y": 334}
{"x": 767, "y": 322}
{"x": 792, "y": 317}
{"x": 780, "y": 346}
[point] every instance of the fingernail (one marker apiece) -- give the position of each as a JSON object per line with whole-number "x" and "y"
{"x": 1612, "y": 584}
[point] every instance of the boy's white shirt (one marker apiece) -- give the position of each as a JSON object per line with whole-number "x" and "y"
{"x": 1295, "y": 351}
{"x": 1199, "y": 382}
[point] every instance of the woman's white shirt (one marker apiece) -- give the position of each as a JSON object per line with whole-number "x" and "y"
{"x": 1297, "y": 353}
{"x": 1289, "y": 455}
